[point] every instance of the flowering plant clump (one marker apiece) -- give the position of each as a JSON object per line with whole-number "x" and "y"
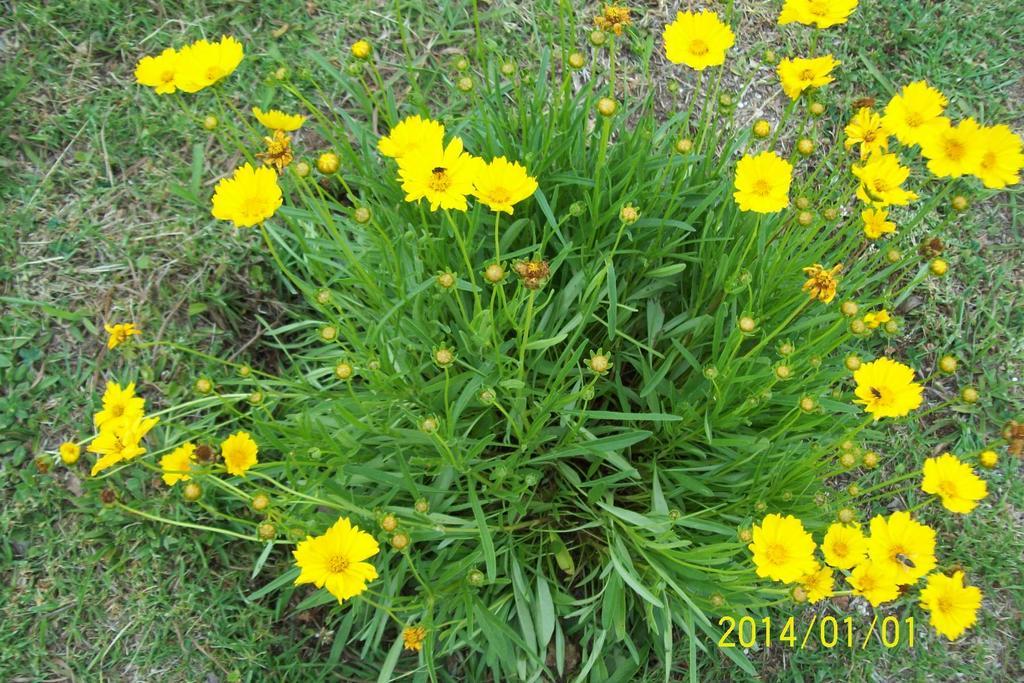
{"x": 566, "y": 378}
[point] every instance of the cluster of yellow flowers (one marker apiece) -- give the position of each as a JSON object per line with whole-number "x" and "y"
{"x": 192, "y": 68}
{"x": 121, "y": 425}
{"x": 446, "y": 175}
{"x": 898, "y": 553}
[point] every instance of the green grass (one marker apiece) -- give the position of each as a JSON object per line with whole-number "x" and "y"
{"x": 89, "y": 232}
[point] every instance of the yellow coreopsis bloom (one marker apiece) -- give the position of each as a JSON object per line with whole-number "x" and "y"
{"x": 876, "y": 319}
{"x": 818, "y": 584}
{"x": 336, "y": 560}
{"x": 177, "y": 463}
{"x": 275, "y": 119}
{"x": 203, "y": 63}
{"x": 441, "y": 175}
{"x": 762, "y": 183}
{"x": 912, "y": 112}
{"x": 69, "y": 452}
{"x": 953, "y": 151}
{"x": 952, "y": 607}
{"x": 881, "y": 179}
{"x": 247, "y": 198}
{"x": 782, "y": 550}
{"x": 821, "y": 282}
{"x": 119, "y": 441}
{"x": 698, "y": 40}
{"x": 239, "y": 453}
{"x": 874, "y": 582}
{"x": 119, "y": 403}
{"x": 886, "y": 388}
{"x": 902, "y": 546}
{"x": 614, "y": 18}
{"x": 413, "y": 637}
{"x": 954, "y": 481}
{"x": 866, "y": 129}
{"x": 844, "y": 546}
{"x": 160, "y": 72}
{"x": 411, "y": 135}
{"x": 120, "y": 333}
{"x": 876, "y": 223}
{"x": 1001, "y": 158}
{"x": 801, "y": 73}
{"x": 502, "y": 183}
{"x": 820, "y": 13}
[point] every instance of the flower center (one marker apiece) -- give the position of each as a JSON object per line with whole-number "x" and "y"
{"x": 955, "y": 150}
{"x": 840, "y": 548}
{"x": 698, "y": 47}
{"x": 440, "y": 181}
{"x": 882, "y": 396}
{"x": 118, "y": 409}
{"x": 988, "y": 162}
{"x": 499, "y": 195}
{"x": 948, "y": 488}
{"x": 869, "y": 136}
{"x": 762, "y": 187}
{"x": 880, "y": 185}
{"x": 945, "y": 604}
{"x": 167, "y": 76}
{"x": 337, "y": 564}
{"x": 914, "y": 119}
{"x": 807, "y": 75}
{"x": 818, "y": 8}
{"x": 255, "y": 207}
{"x": 213, "y": 73}
{"x": 777, "y": 553}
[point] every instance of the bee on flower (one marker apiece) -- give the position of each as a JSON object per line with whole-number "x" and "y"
{"x": 887, "y": 388}
{"x": 444, "y": 176}
{"x": 821, "y": 282}
{"x": 902, "y": 546}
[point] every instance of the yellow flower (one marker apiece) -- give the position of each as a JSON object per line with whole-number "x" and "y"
{"x": 886, "y": 388}
{"x": 614, "y": 18}
{"x": 177, "y": 463}
{"x": 249, "y": 197}
{"x": 912, "y": 112}
{"x": 818, "y": 584}
{"x": 820, "y": 13}
{"x": 502, "y": 183}
{"x": 874, "y": 583}
{"x": 953, "y": 151}
{"x": 801, "y": 73}
{"x": 1001, "y": 158}
{"x": 698, "y": 40}
{"x": 782, "y": 550}
{"x": 275, "y": 119}
{"x": 441, "y": 175}
{"x": 279, "y": 151}
{"x": 119, "y": 441}
{"x": 239, "y": 453}
{"x": 881, "y": 178}
{"x": 762, "y": 183}
{"x": 876, "y": 319}
{"x": 203, "y": 63}
{"x": 69, "y": 452}
{"x": 952, "y": 607}
{"x": 902, "y": 546}
{"x": 821, "y": 282}
{"x": 120, "y": 333}
{"x": 866, "y": 129}
{"x": 410, "y": 136}
{"x": 119, "y": 403}
{"x": 844, "y": 546}
{"x": 413, "y": 637}
{"x": 336, "y": 560}
{"x": 954, "y": 481}
{"x": 361, "y": 49}
{"x": 876, "y": 223}
{"x": 160, "y": 72}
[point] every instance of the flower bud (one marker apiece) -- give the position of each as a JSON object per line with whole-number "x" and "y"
{"x": 717, "y": 600}
{"x": 476, "y": 578}
{"x": 255, "y": 398}
{"x": 191, "y": 492}
{"x": 446, "y": 280}
{"x": 802, "y": 203}
{"x": 762, "y": 128}
{"x": 400, "y": 541}
{"x": 428, "y": 425}
{"x": 783, "y": 372}
{"x": 461, "y": 64}
{"x": 947, "y": 364}
{"x": 328, "y": 163}
{"x": 808, "y": 404}
{"x": 799, "y": 594}
{"x": 465, "y": 84}
{"x": 853, "y": 490}
{"x": 988, "y": 459}
{"x": 684, "y": 145}
{"x": 805, "y": 218}
{"x": 969, "y": 395}
{"x": 629, "y": 214}
{"x": 857, "y": 326}
{"x": 710, "y": 372}
{"x": 805, "y": 146}
{"x": 362, "y": 215}
{"x": 760, "y": 506}
{"x": 108, "y": 496}
{"x": 389, "y": 523}
{"x": 726, "y": 101}
{"x": 203, "y": 385}
{"x": 266, "y": 531}
{"x": 893, "y": 255}
{"x": 747, "y": 324}
{"x": 487, "y": 396}
{"x": 210, "y": 122}
{"x": 343, "y": 371}
{"x": 598, "y": 37}
{"x": 847, "y": 460}
{"x": 328, "y": 333}
{"x": 361, "y": 49}
{"x": 599, "y": 363}
{"x": 508, "y": 69}
{"x": 831, "y": 213}
{"x": 891, "y": 327}
{"x": 745, "y": 535}
{"x": 69, "y": 452}
{"x": 769, "y": 56}
{"x": 281, "y": 73}
{"x": 494, "y": 273}
{"x": 577, "y": 209}
{"x": 959, "y": 203}
{"x": 606, "y": 106}
{"x": 847, "y": 515}
{"x": 849, "y": 308}
{"x": 852, "y": 362}
{"x": 938, "y": 267}
{"x": 302, "y": 169}
{"x": 576, "y": 60}
{"x": 870, "y": 460}
{"x": 816, "y": 108}
{"x": 444, "y": 357}
{"x": 422, "y": 506}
